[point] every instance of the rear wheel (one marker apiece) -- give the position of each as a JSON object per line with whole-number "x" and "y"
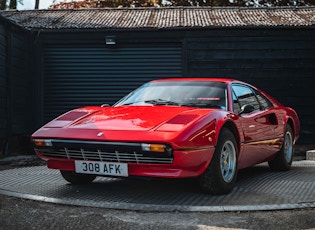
{"x": 76, "y": 178}
{"x": 220, "y": 176}
{"x": 283, "y": 159}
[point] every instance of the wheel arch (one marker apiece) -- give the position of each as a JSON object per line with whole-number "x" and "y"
{"x": 292, "y": 119}
{"x": 232, "y": 127}
{"x": 293, "y": 127}
{"x": 291, "y": 123}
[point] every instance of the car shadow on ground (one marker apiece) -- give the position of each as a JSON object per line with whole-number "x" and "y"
{"x": 184, "y": 192}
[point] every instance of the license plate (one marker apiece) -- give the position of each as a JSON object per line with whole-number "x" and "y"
{"x": 101, "y": 168}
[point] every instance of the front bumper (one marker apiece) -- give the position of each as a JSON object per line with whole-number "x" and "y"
{"x": 185, "y": 164}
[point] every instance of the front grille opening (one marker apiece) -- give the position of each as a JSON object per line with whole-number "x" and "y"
{"x": 110, "y": 153}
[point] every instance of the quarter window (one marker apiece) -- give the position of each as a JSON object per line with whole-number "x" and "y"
{"x": 263, "y": 101}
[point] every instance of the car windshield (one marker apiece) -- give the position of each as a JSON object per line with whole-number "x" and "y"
{"x": 201, "y": 94}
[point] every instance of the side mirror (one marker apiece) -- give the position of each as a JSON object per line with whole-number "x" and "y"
{"x": 248, "y": 108}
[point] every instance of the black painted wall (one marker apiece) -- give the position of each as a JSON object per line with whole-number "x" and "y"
{"x": 16, "y": 82}
{"x": 277, "y": 60}
{"x": 21, "y": 81}
{"x": 3, "y": 92}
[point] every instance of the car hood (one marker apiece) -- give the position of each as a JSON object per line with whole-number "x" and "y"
{"x": 135, "y": 118}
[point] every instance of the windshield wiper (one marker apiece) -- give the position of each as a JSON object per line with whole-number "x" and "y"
{"x": 161, "y": 102}
{"x": 131, "y": 103}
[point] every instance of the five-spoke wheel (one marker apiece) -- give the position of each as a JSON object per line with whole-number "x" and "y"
{"x": 283, "y": 159}
{"x": 220, "y": 176}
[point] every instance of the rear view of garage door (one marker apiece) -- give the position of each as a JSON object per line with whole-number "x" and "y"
{"x": 79, "y": 76}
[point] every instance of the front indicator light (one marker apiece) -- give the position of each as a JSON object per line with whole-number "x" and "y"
{"x": 42, "y": 143}
{"x": 153, "y": 148}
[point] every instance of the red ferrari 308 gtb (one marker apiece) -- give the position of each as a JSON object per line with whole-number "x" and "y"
{"x": 206, "y": 129}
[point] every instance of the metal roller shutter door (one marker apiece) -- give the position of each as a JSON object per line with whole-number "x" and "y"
{"x": 79, "y": 76}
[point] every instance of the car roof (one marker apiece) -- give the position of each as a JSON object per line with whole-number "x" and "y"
{"x": 224, "y": 80}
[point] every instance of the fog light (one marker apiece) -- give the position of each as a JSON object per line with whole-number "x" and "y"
{"x": 153, "y": 148}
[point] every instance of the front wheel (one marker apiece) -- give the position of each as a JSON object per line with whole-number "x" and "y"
{"x": 76, "y": 178}
{"x": 284, "y": 157}
{"x": 220, "y": 176}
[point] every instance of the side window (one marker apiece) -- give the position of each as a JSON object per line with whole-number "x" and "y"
{"x": 236, "y": 105}
{"x": 264, "y": 102}
{"x": 245, "y": 96}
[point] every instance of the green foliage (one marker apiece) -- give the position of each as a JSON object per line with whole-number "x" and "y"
{"x": 3, "y": 4}
{"x": 9, "y": 4}
{"x": 12, "y": 4}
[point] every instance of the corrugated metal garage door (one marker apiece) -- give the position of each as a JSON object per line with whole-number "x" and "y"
{"x": 79, "y": 76}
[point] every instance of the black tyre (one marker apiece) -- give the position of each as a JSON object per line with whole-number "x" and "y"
{"x": 76, "y": 178}
{"x": 220, "y": 176}
{"x": 284, "y": 157}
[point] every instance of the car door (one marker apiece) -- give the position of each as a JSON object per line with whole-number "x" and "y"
{"x": 259, "y": 125}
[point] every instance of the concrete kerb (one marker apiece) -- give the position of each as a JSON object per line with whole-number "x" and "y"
{"x": 160, "y": 208}
{"x": 310, "y": 155}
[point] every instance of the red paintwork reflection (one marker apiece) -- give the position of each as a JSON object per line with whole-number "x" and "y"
{"x": 138, "y": 118}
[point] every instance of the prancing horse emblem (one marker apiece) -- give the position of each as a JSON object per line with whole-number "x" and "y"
{"x": 100, "y": 134}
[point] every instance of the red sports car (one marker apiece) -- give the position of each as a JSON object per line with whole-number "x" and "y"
{"x": 199, "y": 128}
